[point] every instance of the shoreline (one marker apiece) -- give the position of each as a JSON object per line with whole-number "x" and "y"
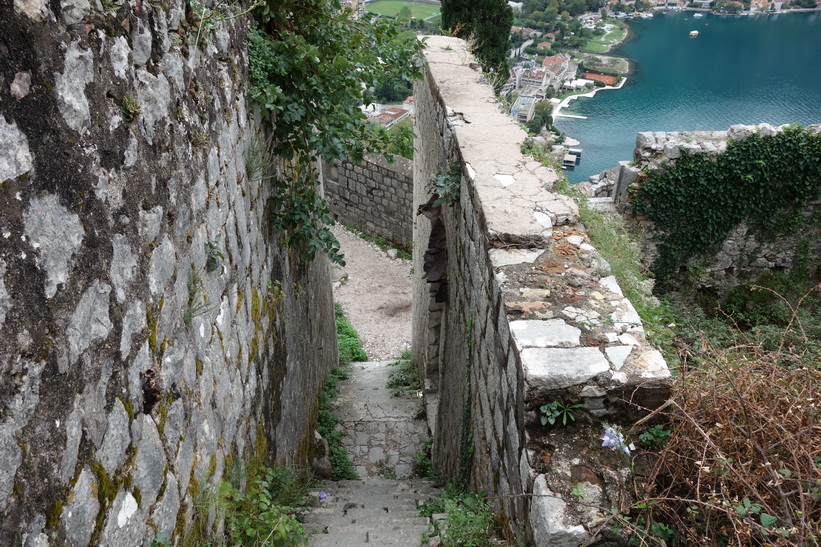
{"x": 557, "y": 110}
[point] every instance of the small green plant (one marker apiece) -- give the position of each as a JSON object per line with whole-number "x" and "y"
{"x": 386, "y": 471}
{"x": 551, "y": 412}
{"x": 655, "y": 437}
{"x": 161, "y": 540}
{"x": 447, "y": 185}
{"x": 214, "y": 256}
{"x": 422, "y": 461}
{"x": 196, "y": 306}
{"x": 578, "y": 491}
{"x": 275, "y": 293}
{"x": 404, "y": 379}
{"x": 208, "y": 18}
{"x": 199, "y": 138}
{"x": 257, "y": 158}
{"x": 130, "y": 108}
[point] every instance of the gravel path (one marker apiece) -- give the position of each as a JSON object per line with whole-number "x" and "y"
{"x": 376, "y": 296}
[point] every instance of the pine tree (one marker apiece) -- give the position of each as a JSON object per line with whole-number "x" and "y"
{"x": 484, "y": 23}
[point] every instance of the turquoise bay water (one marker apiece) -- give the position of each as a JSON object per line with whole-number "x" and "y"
{"x": 746, "y": 70}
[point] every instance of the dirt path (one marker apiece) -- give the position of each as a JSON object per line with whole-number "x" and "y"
{"x": 376, "y": 296}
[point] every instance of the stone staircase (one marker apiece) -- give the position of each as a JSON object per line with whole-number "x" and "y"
{"x": 382, "y": 436}
{"x": 370, "y": 511}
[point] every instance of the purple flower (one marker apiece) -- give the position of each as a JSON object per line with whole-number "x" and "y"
{"x": 322, "y": 497}
{"x": 614, "y": 440}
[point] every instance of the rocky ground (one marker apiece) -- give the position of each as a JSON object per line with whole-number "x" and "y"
{"x": 375, "y": 292}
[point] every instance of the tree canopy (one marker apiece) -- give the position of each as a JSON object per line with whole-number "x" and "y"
{"x": 485, "y": 24}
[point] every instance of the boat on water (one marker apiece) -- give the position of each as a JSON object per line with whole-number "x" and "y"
{"x": 693, "y": 33}
{"x": 698, "y": 15}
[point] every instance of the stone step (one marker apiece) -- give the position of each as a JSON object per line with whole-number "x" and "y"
{"x": 409, "y": 536}
{"x": 369, "y": 511}
{"x": 340, "y": 517}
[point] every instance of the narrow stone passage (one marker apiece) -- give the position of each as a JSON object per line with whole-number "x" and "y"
{"x": 382, "y": 432}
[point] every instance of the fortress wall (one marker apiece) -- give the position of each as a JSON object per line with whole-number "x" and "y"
{"x": 153, "y": 334}
{"x": 517, "y": 310}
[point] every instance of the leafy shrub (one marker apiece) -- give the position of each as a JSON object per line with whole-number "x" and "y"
{"x": 307, "y": 63}
{"x": 469, "y": 519}
{"x": 268, "y": 511}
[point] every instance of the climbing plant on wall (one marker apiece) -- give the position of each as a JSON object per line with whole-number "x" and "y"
{"x": 312, "y": 64}
{"x": 764, "y": 180}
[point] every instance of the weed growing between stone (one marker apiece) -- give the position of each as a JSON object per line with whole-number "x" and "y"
{"x": 557, "y": 410}
{"x": 469, "y": 520}
{"x": 341, "y": 466}
{"x": 130, "y": 108}
{"x": 404, "y": 379}
{"x": 446, "y": 185}
{"x": 350, "y": 346}
{"x": 422, "y": 464}
{"x": 401, "y": 252}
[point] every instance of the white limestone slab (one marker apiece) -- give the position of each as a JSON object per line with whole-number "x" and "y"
{"x": 618, "y": 355}
{"x": 652, "y": 365}
{"x": 508, "y": 257}
{"x": 557, "y": 368}
{"x": 544, "y": 334}
{"x": 611, "y": 284}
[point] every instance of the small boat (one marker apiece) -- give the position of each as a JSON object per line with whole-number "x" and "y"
{"x": 693, "y": 33}
{"x": 698, "y": 15}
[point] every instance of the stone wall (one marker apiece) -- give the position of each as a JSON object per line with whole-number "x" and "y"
{"x": 516, "y": 309}
{"x": 153, "y": 335}
{"x": 742, "y": 255}
{"x": 374, "y": 197}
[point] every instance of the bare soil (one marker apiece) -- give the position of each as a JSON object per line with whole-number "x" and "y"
{"x": 376, "y": 296}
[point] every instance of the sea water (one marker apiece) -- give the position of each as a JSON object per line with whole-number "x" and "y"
{"x": 748, "y": 70}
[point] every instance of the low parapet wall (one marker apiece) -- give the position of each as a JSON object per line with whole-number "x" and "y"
{"x": 516, "y": 309}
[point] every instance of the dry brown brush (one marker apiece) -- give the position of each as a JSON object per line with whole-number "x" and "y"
{"x": 743, "y": 464}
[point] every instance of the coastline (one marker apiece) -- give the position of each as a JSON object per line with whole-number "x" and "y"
{"x": 557, "y": 110}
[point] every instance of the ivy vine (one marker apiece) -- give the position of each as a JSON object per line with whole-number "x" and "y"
{"x": 696, "y": 202}
{"x": 312, "y": 64}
